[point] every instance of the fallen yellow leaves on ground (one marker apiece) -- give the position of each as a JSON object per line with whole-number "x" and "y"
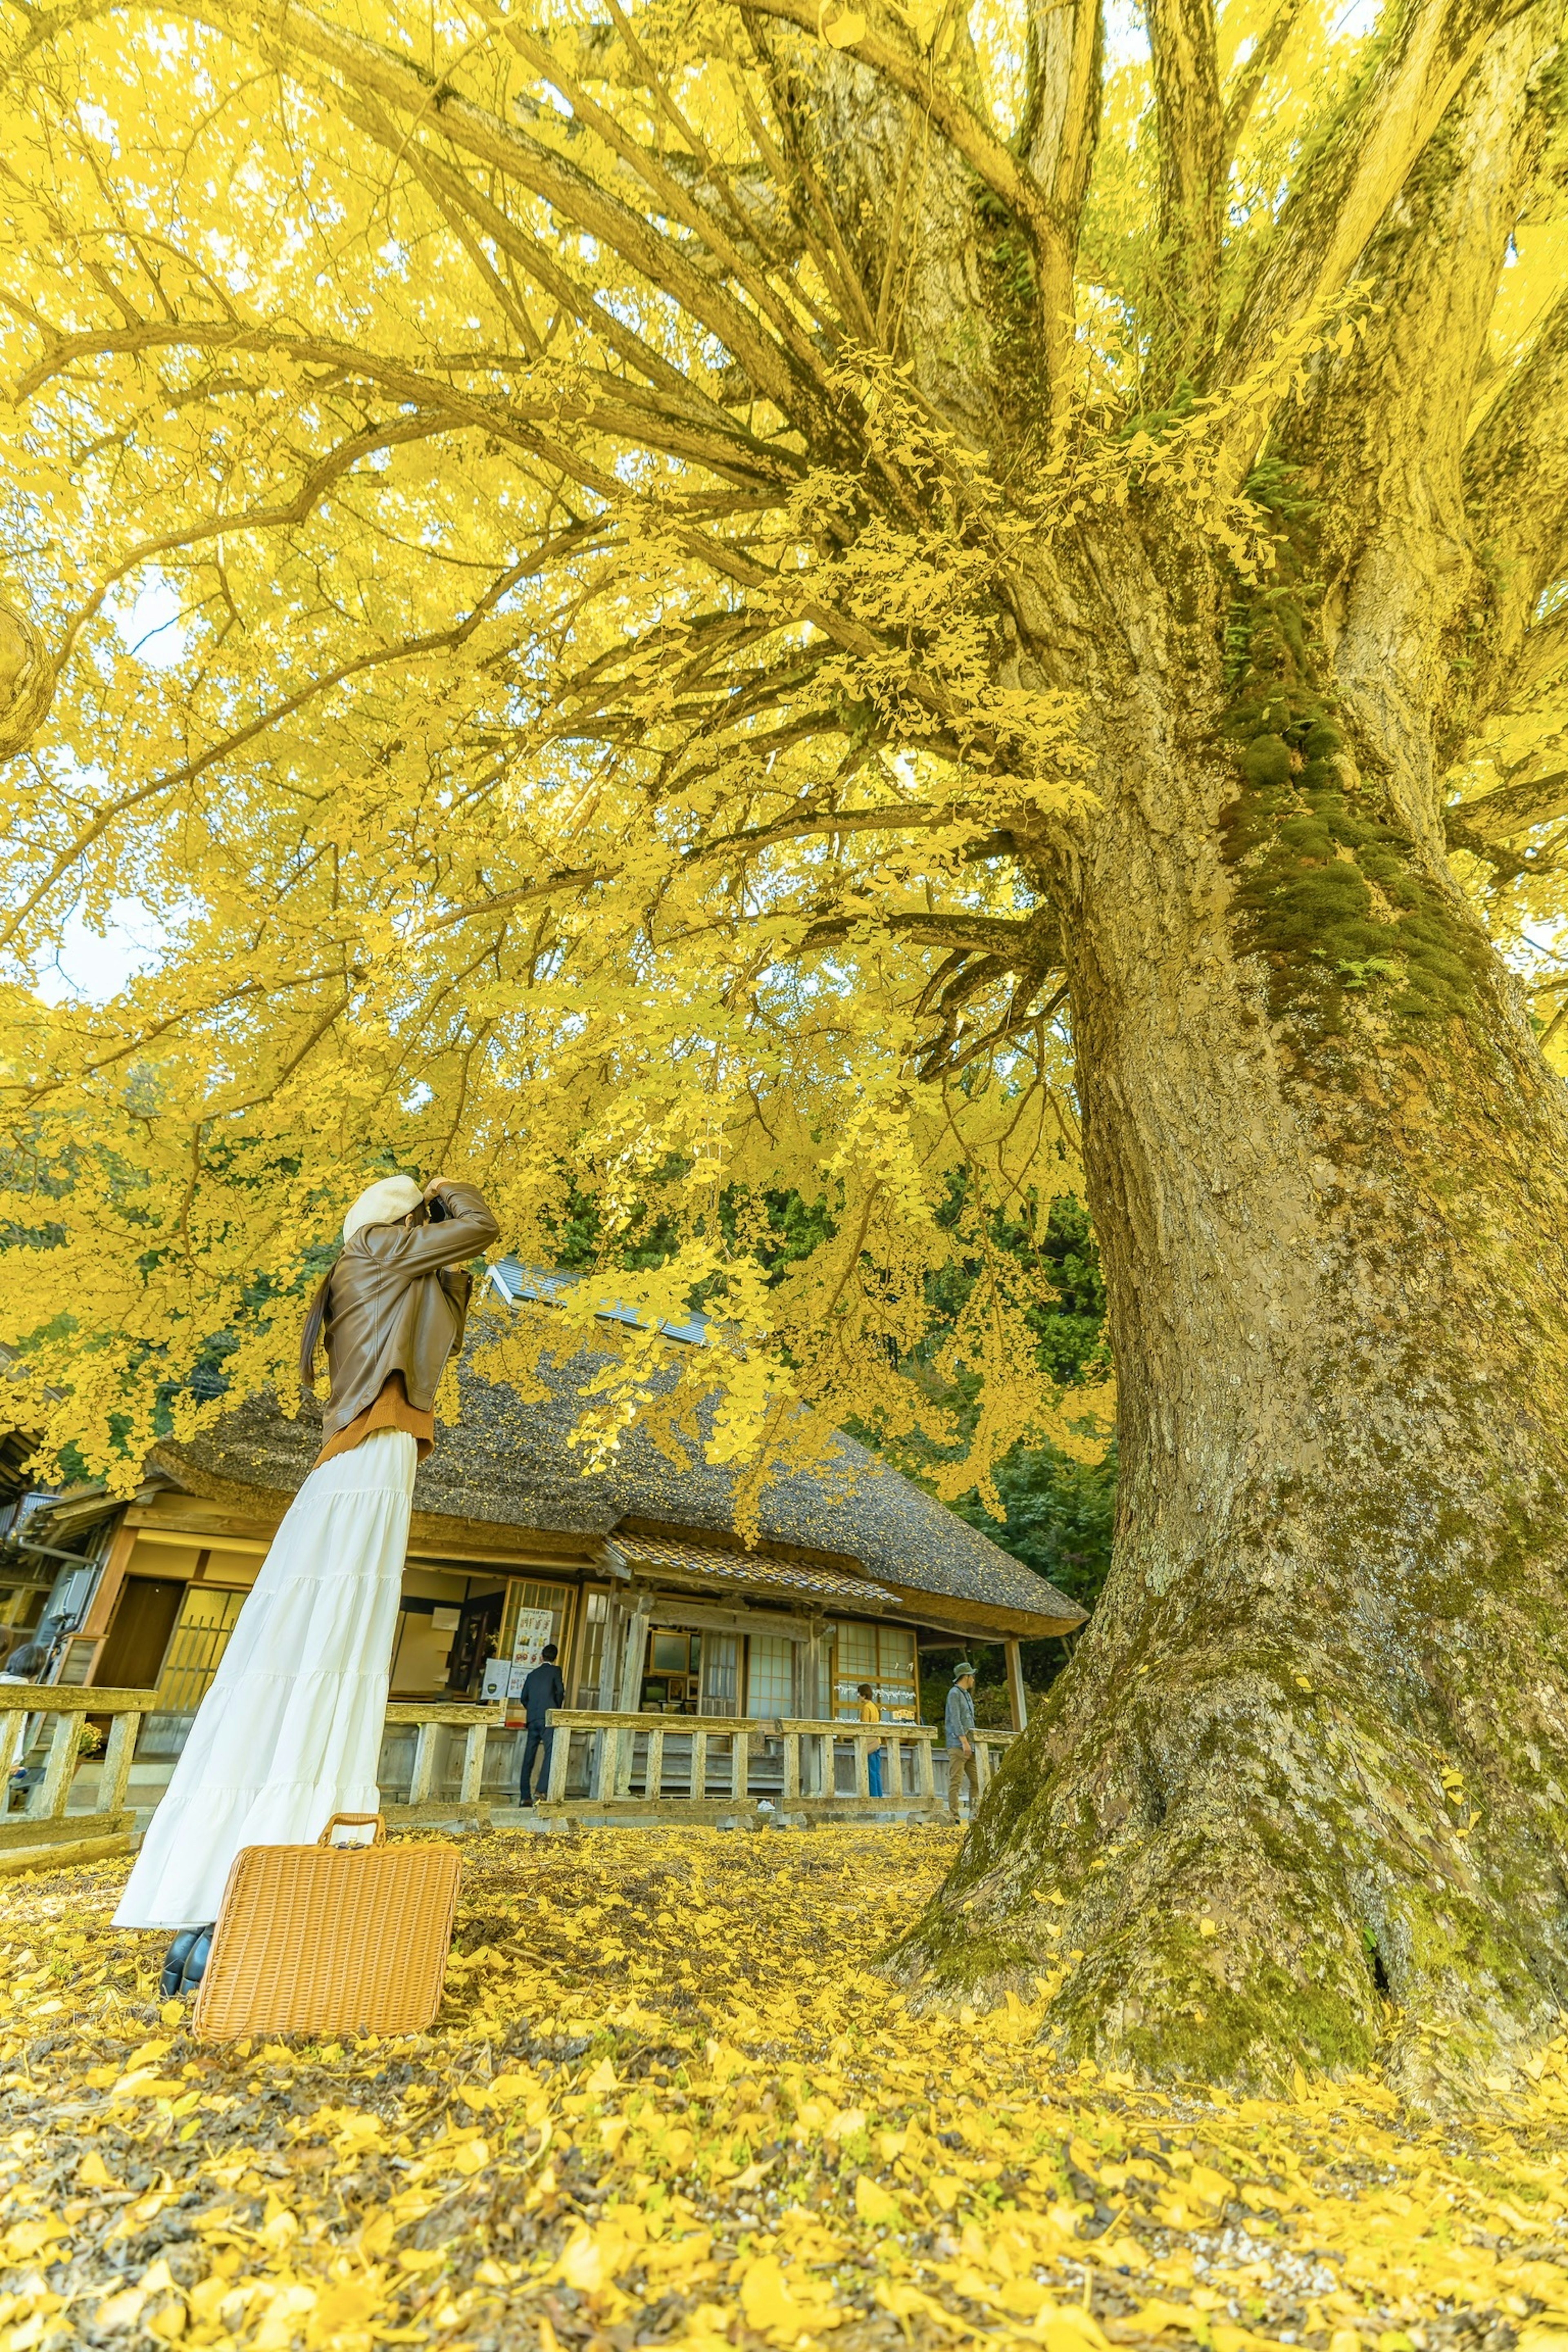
{"x": 669, "y": 2103}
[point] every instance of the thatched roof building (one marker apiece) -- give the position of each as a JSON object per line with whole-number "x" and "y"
{"x": 653, "y": 1596}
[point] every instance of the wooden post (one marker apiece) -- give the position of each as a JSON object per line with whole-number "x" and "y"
{"x": 925, "y": 1778}
{"x": 700, "y": 1764}
{"x": 1017, "y": 1697}
{"x": 423, "y": 1763}
{"x": 862, "y": 1765}
{"x": 609, "y": 1765}
{"x": 12, "y": 1723}
{"x": 117, "y": 1756}
{"x": 739, "y": 1765}
{"x": 652, "y": 1778}
{"x": 48, "y": 1799}
{"x": 474, "y": 1740}
{"x": 106, "y": 1592}
{"x": 633, "y": 1654}
{"x": 792, "y": 1740}
{"x": 560, "y": 1759}
{"x": 610, "y": 1655}
{"x": 814, "y": 1698}
{"x": 893, "y": 1764}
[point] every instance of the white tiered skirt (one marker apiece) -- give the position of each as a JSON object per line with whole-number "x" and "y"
{"x": 291, "y": 1731}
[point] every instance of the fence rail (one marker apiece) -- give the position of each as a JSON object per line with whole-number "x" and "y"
{"x": 793, "y": 1764}
{"x": 463, "y": 1761}
{"x": 42, "y": 1819}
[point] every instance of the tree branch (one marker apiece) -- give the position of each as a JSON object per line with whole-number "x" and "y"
{"x": 1248, "y": 85}
{"x": 898, "y": 61}
{"x": 436, "y": 641}
{"x": 1064, "y": 61}
{"x": 1516, "y": 482}
{"x": 1189, "y": 126}
{"x": 1510, "y": 809}
{"x": 295, "y": 33}
{"x": 1011, "y": 941}
{"x": 320, "y": 478}
{"x": 1355, "y": 177}
{"x": 1542, "y": 660}
{"x": 1379, "y": 427}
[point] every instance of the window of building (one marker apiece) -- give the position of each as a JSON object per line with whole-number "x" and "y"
{"x": 882, "y": 1655}
{"x": 721, "y": 1674}
{"x": 770, "y": 1674}
{"x": 672, "y": 1675}
{"x": 207, "y": 1619}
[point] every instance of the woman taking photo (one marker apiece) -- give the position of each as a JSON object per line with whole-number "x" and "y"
{"x": 290, "y": 1732}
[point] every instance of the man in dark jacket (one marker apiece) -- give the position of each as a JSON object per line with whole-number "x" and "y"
{"x": 543, "y": 1690}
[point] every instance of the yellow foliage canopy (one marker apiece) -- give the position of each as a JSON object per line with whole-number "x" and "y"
{"x": 534, "y": 615}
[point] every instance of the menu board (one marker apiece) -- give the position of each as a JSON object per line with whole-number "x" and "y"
{"x": 534, "y": 1627}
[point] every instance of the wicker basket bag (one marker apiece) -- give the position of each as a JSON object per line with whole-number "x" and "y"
{"x": 329, "y": 1939}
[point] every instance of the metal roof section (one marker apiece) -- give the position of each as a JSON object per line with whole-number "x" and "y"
{"x": 513, "y": 1281}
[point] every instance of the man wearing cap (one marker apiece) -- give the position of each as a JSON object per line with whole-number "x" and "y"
{"x": 958, "y": 1725}
{"x": 290, "y": 1732}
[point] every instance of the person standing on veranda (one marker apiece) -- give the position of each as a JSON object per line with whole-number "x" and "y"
{"x": 870, "y": 1713}
{"x": 290, "y": 1732}
{"x": 958, "y": 1730}
{"x": 541, "y": 1690}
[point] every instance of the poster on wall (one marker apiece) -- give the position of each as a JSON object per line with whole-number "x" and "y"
{"x": 528, "y": 1649}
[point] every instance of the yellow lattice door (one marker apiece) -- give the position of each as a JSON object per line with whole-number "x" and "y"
{"x": 206, "y": 1620}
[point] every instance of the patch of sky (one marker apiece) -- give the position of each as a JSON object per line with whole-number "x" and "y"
{"x": 1126, "y": 38}
{"x": 99, "y": 123}
{"x": 96, "y": 960}
{"x": 149, "y": 620}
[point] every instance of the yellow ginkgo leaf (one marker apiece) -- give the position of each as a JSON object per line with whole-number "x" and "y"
{"x": 841, "y": 28}
{"x": 774, "y": 2309}
{"x": 873, "y": 2204}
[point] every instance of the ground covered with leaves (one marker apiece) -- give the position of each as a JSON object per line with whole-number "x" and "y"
{"x": 668, "y": 2102}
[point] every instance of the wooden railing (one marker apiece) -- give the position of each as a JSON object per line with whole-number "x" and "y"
{"x": 42, "y": 1820}
{"x": 792, "y": 1764}
{"x": 990, "y": 1747}
{"x": 476, "y": 1723}
{"x": 715, "y": 1765}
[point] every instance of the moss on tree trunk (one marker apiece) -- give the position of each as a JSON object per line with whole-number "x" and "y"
{"x": 1302, "y": 1792}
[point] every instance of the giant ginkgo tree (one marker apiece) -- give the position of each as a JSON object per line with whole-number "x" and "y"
{"x": 695, "y": 608}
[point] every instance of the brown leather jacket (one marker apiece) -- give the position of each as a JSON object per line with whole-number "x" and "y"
{"x": 396, "y": 1301}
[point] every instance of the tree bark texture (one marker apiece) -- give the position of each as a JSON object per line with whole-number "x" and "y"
{"x": 1302, "y": 1787}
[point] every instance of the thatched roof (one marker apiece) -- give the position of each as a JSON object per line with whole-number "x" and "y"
{"x": 508, "y": 1466}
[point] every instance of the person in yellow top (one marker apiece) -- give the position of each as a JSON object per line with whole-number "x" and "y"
{"x": 871, "y": 1713}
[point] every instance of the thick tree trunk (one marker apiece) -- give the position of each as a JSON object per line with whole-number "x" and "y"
{"x": 1303, "y": 1786}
